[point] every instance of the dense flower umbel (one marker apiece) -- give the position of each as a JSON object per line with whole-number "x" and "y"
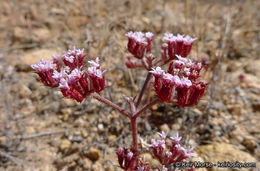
{"x": 176, "y": 45}
{"x": 74, "y": 80}
{"x": 179, "y": 85}
{"x": 171, "y": 153}
{"x": 139, "y": 43}
{"x": 126, "y": 158}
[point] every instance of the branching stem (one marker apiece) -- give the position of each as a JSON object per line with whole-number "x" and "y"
{"x": 111, "y": 104}
{"x": 148, "y": 77}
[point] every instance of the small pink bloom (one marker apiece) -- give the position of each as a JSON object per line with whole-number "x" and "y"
{"x": 139, "y": 43}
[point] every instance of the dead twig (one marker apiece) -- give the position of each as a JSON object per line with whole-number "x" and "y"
{"x": 11, "y": 158}
{"x": 42, "y": 134}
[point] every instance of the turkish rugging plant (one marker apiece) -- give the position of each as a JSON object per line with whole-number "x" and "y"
{"x": 177, "y": 85}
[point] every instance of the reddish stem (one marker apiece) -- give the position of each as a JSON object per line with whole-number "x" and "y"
{"x": 134, "y": 133}
{"x": 109, "y": 103}
{"x": 139, "y": 112}
{"x": 148, "y": 77}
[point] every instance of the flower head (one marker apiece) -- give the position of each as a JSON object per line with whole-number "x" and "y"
{"x": 170, "y": 153}
{"x": 73, "y": 80}
{"x": 139, "y": 43}
{"x": 176, "y": 45}
{"x": 179, "y": 85}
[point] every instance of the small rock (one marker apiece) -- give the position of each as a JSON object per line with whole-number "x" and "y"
{"x": 65, "y": 145}
{"x": 155, "y": 107}
{"x": 97, "y": 166}
{"x": 100, "y": 127}
{"x": 111, "y": 138}
{"x": 76, "y": 138}
{"x": 149, "y": 159}
{"x": 249, "y": 144}
{"x": 256, "y": 105}
{"x": 41, "y": 35}
{"x": 93, "y": 153}
{"x": 65, "y": 117}
{"x": 21, "y": 35}
{"x": 87, "y": 163}
{"x": 165, "y": 128}
{"x": 146, "y": 20}
{"x": 84, "y": 133}
{"x": 197, "y": 111}
{"x": 30, "y": 130}
{"x": 81, "y": 123}
{"x": 235, "y": 109}
{"x": 253, "y": 67}
{"x": 74, "y": 22}
{"x": 157, "y": 26}
{"x": 3, "y": 139}
{"x": 33, "y": 57}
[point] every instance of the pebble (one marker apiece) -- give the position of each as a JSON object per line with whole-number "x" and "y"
{"x": 149, "y": 159}
{"x": 97, "y": 166}
{"x": 76, "y": 138}
{"x": 165, "y": 128}
{"x": 20, "y": 35}
{"x": 93, "y": 153}
{"x": 111, "y": 138}
{"x": 249, "y": 144}
{"x": 41, "y": 35}
{"x": 84, "y": 133}
{"x": 100, "y": 127}
{"x": 65, "y": 117}
{"x": 65, "y": 145}
{"x": 87, "y": 163}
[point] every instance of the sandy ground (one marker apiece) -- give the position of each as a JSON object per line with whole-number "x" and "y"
{"x": 40, "y": 130}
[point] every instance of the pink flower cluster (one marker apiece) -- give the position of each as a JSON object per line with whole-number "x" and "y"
{"x": 176, "y": 45}
{"x": 179, "y": 84}
{"x": 171, "y": 153}
{"x": 74, "y": 80}
{"x": 126, "y": 158}
{"x": 139, "y": 43}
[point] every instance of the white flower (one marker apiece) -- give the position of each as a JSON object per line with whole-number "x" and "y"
{"x": 138, "y": 36}
{"x": 63, "y": 84}
{"x": 74, "y": 75}
{"x": 176, "y": 139}
{"x": 186, "y": 82}
{"x": 57, "y": 75}
{"x": 149, "y": 35}
{"x": 95, "y": 72}
{"x": 157, "y": 71}
{"x": 181, "y": 58}
{"x": 130, "y": 155}
{"x": 167, "y": 76}
{"x": 94, "y": 63}
{"x": 68, "y": 58}
{"x": 188, "y": 40}
{"x": 163, "y": 135}
{"x": 176, "y": 80}
{"x": 179, "y": 38}
{"x": 43, "y": 66}
{"x": 169, "y": 37}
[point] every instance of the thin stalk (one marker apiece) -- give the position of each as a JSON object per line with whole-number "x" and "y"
{"x": 111, "y": 104}
{"x": 134, "y": 133}
{"x": 148, "y": 77}
{"x": 139, "y": 112}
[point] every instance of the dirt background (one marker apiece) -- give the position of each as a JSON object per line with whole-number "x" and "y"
{"x": 40, "y": 130}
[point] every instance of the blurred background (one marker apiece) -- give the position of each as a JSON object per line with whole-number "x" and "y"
{"x": 40, "y": 130}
